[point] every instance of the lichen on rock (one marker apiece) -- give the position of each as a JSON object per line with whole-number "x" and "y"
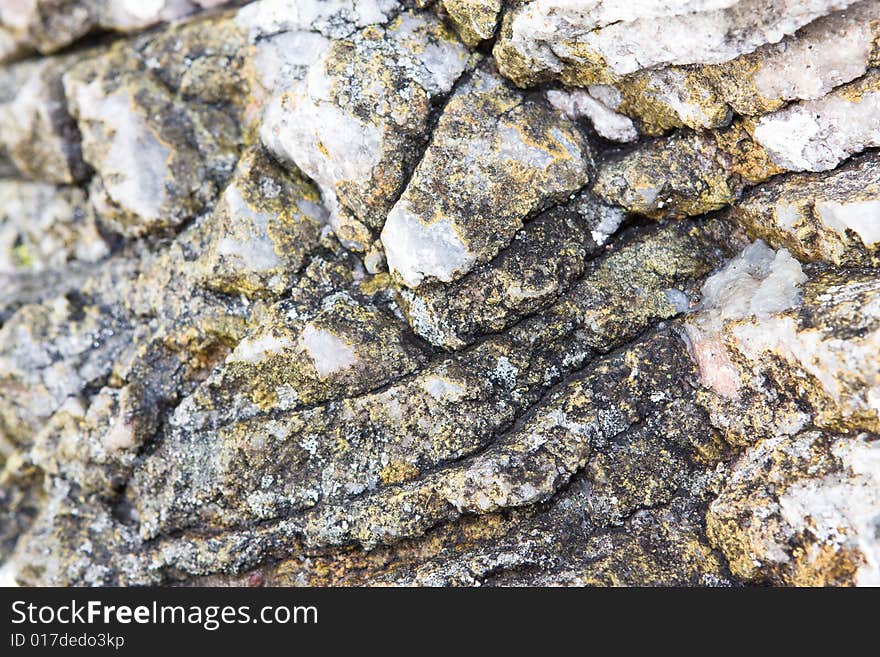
{"x": 451, "y": 293}
{"x": 496, "y": 157}
{"x": 356, "y": 123}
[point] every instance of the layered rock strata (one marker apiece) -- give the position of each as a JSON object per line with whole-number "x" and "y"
{"x": 465, "y": 292}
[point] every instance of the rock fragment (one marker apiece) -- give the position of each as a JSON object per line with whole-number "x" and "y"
{"x": 495, "y": 159}
{"x": 161, "y": 141}
{"x": 262, "y": 229}
{"x": 592, "y": 104}
{"x": 286, "y": 37}
{"x": 682, "y": 175}
{"x": 475, "y": 20}
{"x": 710, "y": 170}
{"x": 779, "y": 350}
{"x": 818, "y": 135}
{"x": 592, "y": 42}
{"x": 823, "y": 55}
{"x": 544, "y": 259}
{"x": 830, "y": 51}
{"x": 802, "y": 510}
{"x": 36, "y": 131}
{"x": 831, "y": 218}
{"x": 356, "y": 124}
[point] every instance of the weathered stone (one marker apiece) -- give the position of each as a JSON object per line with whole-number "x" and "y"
{"x": 831, "y": 218}
{"x": 806, "y": 65}
{"x": 659, "y": 100}
{"x": 710, "y": 169}
{"x": 286, "y": 37}
{"x": 159, "y": 141}
{"x": 682, "y": 175}
{"x": 48, "y": 353}
{"x": 496, "y": 158}
{"x": 36, "y": 130}
{"x": 307, "y": 292}
{"x": 447, "y": 410}
{"x": 818, "y": 135}
{"x": 299, "y": 358}
{"x": 802, "y": 510}
{"x": 776, "y": 357}
{"x": 45, "y": 227}
{"x": 593, "y": 42}
{"x": 815, "y": 135}
{"x": 356, "y": 123}
{"x": 599, "y": 104}
{"x": 262, "y": 229}
{"x": 475, "y": 20}
{"x": 545, "y": 257}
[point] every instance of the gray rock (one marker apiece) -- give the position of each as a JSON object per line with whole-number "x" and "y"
{"x": 456, "y": 293}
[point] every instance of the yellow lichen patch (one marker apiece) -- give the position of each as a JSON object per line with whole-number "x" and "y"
{"x": 671, "y": 98}
{"x": 560, "y": 144}
{"x": 874, "y": 58}
{"x": 582, "y": 65}
{"x": 726, "y": 535}
{"x": 475, "y": 20}
{"x": 663, "y": 558}
{"x": 855, "y": 91}
{"x": 265, "y": 398}
{"x": 826, "y": 565}
{"x": 735, "y": 82}
{"x": 586, "y": 67}
{"x": 398, "y": 472}
{"x": 378, "y": 283}
{"x": 748, "y": 159}
{"x": 655, "y": 117}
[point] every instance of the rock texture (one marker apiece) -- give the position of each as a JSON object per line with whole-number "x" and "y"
{"x": 465, "y": 292}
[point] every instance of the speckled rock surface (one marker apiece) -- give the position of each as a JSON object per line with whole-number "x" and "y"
{"x": 453, "y": 293}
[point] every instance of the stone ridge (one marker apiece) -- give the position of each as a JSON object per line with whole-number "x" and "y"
{"x": 453, "y": 293}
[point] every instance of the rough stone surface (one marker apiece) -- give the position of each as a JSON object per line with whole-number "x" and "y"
{"x": 830, "y": 217}
{"x": 806, "y": 65}
{"x": 475, "y": 20}
{"x": 595, "y": 41}
{"x": 454, "y": 293}
{"x": 495, "y": 158}
{"x": 802, "y": 510}
{"x": 36, "y": 130}
{"x": 355, "y": 124}
{"x": 49, "y": 25}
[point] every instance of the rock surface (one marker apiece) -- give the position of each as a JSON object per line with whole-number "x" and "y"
{"x": 466, "y": 292}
